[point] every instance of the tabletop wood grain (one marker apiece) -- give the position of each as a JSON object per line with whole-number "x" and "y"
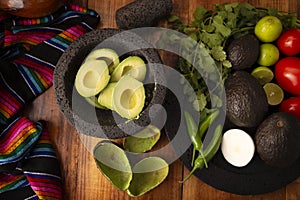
{"x": 81, "y": 178}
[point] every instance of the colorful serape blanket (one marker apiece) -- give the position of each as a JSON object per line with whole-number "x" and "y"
{"x": 30, "y": 50}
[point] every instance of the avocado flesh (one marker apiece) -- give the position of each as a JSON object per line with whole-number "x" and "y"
{"x": 114, "y": 164}
{"x": 106, "y": 96}
{"x": 93, "y": 101}
{"x": 92, "y": 77}
{"x": 246, "y": 101}
{"x": 128, "y": 97}
{"x": 277, "y": 140}
{"x": 142, "y": 141}
{"x": 133, "y": 66}
{"x": 243, "y": 52}
{"x": 147, "y": 174}
{"x": 108, "y": 55}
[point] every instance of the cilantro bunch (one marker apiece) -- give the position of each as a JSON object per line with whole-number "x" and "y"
{"x": 212, "y": 29}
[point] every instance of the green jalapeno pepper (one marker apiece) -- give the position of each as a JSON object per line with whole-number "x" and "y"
{"x": 204, "y": 155}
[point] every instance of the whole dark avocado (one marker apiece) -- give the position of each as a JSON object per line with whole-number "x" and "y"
{"x": 278, "y": 140}
{"x": 246, "y": 100}
{"x": 243, "y": 52}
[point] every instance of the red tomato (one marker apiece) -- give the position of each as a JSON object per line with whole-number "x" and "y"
{"x": 292, "y": 106}
{"x": 287, "y": 74}
{"x": 289, "y": 42}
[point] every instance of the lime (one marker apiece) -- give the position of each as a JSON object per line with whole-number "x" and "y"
{"x": 269, "y": 54}
{"x": 268, "y": 29}
{"x": 274, "y": 93}
{"x": 263, "y": 74}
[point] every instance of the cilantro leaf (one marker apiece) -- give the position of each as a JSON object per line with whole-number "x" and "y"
{"x": 220, "y": 27}
{"x": 174, "y": 18}
{"x": 199, "y": 13}
{"x": 218, "y": 53}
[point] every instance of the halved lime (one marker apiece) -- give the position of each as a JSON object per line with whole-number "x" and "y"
{"x": 269, "y": 54}
{"x": 263, "y": 74}
{"x": 274, "y": 93}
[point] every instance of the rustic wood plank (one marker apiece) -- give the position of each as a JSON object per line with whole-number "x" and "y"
{"x": 280, "y": 4}
{"x": 82, "y": 179}
{"x": 292, "y": 190}
{"x": 102, "y": 8}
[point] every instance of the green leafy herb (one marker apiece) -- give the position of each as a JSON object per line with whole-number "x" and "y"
{"x": 218, "y": 53}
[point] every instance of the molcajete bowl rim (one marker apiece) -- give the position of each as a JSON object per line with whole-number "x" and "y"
{"x": 104, "y": 124}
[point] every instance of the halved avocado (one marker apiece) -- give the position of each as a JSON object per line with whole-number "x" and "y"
{"x": 94, "y": 102}
{"x": 147, "y": 174}
{"x": 128, "y": 97}
{"x": 142, "y": 141}
{"x": 108, "y": 55}
{"x": 114, "y": 164}
{"x": 133, "y": 66}
{"x": 106, "y": 96}
{"x": 92, "y": 77}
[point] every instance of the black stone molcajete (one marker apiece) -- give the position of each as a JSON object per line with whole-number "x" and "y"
{"x": 106, "y": 123}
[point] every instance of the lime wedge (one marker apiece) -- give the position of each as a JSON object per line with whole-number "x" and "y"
{"x": 274, "y": 93}
{"x": 263, "y": 74}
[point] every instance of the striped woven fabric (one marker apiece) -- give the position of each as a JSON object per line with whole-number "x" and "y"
{"x": 39, "y": 181}
{"x": 45, "y": 181}
{"x": 23, "y": 78}
{"x": 43, "y": 147}
{"x": 11, "y": 102}
{"x": 17, "y": 139}
{"x": 36, "y": 30}
{"x": 11, "y": 182}
{"x": 29, "y": 168}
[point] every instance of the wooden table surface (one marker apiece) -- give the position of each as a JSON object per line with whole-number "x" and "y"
{"x": 82, "y": 179}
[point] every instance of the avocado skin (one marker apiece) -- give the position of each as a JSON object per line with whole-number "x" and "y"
{"x": 246, "y": 100}
{"x": 243, "y": 52}
{"x": 278, "y": 140}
